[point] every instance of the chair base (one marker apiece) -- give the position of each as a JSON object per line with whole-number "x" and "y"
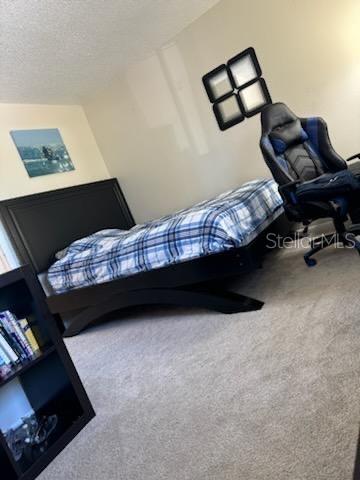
{"x": 347, "y": 237}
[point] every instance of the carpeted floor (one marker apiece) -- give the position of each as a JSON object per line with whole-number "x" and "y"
{"x": 193, "y": 395}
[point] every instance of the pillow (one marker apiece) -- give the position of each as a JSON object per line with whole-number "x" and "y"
{"x": 61, "y": 254}
{"x": 283, "y": 136}
{"x": 88, "y": 242}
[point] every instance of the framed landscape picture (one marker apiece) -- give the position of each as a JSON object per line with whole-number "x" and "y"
{"x": 42, "y": 151}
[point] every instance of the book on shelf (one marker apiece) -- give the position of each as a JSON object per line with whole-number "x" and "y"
{"x": 5, "y": 367}
{"x": 8, "y": 353}
{"x": 17, "y": 342}
{"x": 24, "y": 324}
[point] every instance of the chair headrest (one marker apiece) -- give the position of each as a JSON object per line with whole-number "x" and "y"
{"x": 275, "y": 115}
{"x": 282, "y": 126}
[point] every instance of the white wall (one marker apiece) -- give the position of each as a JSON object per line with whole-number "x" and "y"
{"x": 14, "y": 182}
{"x": 76, "y": 134}
{"x": 155, "y": 127}
{"x": 79, "y": 141}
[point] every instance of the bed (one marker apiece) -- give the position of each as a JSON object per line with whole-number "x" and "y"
{"x": 42, "y": 224}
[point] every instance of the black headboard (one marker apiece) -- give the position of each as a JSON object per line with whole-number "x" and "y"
{"x": 40, "y": 225}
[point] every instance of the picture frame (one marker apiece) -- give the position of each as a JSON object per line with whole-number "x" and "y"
{"x": 244, "y": 68}
{"x": 253, "y": 97}
{"x": 237, "y": 89}
{"x": 228, "y": 111}
{"x": 42, "y": 151}
{"x": 218, "y": 84}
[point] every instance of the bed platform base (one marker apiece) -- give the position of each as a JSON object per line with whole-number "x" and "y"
{"x": 194, "y": 283}
{"x": 211, "y": 299}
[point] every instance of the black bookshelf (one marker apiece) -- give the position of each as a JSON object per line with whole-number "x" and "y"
{"x": 48, "y": 378}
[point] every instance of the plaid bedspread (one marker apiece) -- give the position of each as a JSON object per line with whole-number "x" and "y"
{"x": 230, "y": 220}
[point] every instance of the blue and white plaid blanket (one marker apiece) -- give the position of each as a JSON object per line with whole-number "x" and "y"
{"x": 230, "y": 220}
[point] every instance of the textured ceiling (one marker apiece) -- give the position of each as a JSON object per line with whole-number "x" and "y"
{"x": 58, "y": 51}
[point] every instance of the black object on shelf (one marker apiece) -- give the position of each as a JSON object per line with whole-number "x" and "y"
{"x": 49, "y": 380}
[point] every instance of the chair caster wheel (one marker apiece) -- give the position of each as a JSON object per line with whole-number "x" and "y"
{"x": 310, "y": 262}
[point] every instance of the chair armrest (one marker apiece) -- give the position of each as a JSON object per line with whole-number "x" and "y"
{"x": 357, "y": 155}
{"x": 291, "y": 184}
{"x": 288, "y": 190}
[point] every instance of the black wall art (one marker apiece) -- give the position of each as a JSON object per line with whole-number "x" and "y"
{"x": 236, "y": 89}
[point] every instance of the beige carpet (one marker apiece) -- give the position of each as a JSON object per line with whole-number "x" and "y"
{"x": 193, "y": 395}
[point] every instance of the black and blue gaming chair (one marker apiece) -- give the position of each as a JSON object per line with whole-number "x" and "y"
{"x": 298, "y": 151}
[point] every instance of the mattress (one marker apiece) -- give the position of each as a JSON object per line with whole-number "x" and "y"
{"x": 230, "y": 220}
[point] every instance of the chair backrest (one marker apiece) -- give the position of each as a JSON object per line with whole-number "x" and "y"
{"x": 291, "y": 145}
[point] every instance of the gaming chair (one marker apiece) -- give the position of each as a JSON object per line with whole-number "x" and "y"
{"x": 303, "y": 162}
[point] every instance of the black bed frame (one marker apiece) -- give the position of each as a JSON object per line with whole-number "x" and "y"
{"x": 41, "y": 224}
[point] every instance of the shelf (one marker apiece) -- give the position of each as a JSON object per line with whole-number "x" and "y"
{"x": 68, "y": 415}
{"x": 20, "y": 369}
{"x": 56, "y": 446}
{"x": 48, "y": 380}
{"x": 71, "y": 419}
